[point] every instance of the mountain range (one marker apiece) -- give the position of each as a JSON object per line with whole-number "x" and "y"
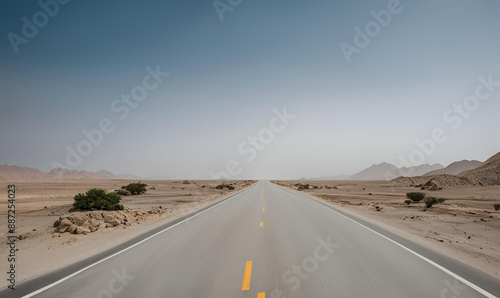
{"x": 15, "y": 173}
{"x": 387, "y": 171}
{"x": 456, "y": 168}
{"x": 487, "y": 173}
{"x": 464, "y": 172}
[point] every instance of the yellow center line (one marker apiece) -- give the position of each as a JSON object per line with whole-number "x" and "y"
{"x": 261, "y": 223}
{"x": 263, "y": 200}
{"x": 247, "y": 276}
{"x": 261, "y": 295}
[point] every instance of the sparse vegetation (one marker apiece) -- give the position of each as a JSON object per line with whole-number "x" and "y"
{"x": 123, "y": 192}
{"x": 223, "y": 185}
{"x": 136, "y": 188}
{"x": 496, "y": 206}
{"x": 301, "y": 186}
{"x": 415, "y": 196}
{"x": 186, "y": 182}
{"x": 98, "y": 199}
{"x": 408, "y": 202}
{"x": 432, "y": 200}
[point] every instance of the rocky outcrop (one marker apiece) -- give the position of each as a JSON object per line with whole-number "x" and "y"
{"x": 83, "y": 223}
{"x": 88, "y": 222}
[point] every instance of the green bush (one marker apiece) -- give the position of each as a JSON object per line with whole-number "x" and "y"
{"x": 496, "y": 206}
{"x": 302, "y": 186}
{"x": 136, "y": 188}
{"x": 415, "y": 196}
{"x": 408, "y": 202}
{"x": 123, "y": 192}
{"x": 223, "y": 185}
{"x": 432, "y": 200}
{"x": 97, "y": 199}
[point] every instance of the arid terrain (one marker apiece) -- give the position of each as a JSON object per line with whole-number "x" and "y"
{"x": 39, "y": 204}
{"x": 465, "y": 226}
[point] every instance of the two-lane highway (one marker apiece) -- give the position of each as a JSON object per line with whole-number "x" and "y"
{"x": 268, "y": 241}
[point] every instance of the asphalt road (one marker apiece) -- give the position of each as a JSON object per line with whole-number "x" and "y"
{"x": 266, "y": 241}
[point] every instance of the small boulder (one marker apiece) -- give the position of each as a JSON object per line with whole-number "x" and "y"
{"x": 65, "y": 223}
{"x": 71, "y": 229}
{"x": 108, "y": 217}
{"x": 96, "y": 215}
{"x": 80, "y": 231}
{"x": 62, "y": 229}
{"x": 114, "y": 222}
{"x": 78, "y": 219}
{"x": 94, "y": 223}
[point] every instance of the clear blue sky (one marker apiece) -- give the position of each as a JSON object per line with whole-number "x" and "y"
{"x": 227, "y": 76}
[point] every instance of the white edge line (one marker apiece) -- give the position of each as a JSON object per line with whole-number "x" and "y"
{"x": 463, "y": 280}
{"x": 123, "y": 250}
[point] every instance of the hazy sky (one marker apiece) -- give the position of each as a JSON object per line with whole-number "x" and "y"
{"x": 226, "y": 77}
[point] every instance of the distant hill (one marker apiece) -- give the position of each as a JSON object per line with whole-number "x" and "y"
{"x": 387, "y": 171}
{"x": 381, "y": 171}
{"x": 15, "y": 173}
{"x": 419, "y": 170}
{"x": 437, "y": 180}
{"x": 456, "y": 168}
{"x": 488, "y": 173}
